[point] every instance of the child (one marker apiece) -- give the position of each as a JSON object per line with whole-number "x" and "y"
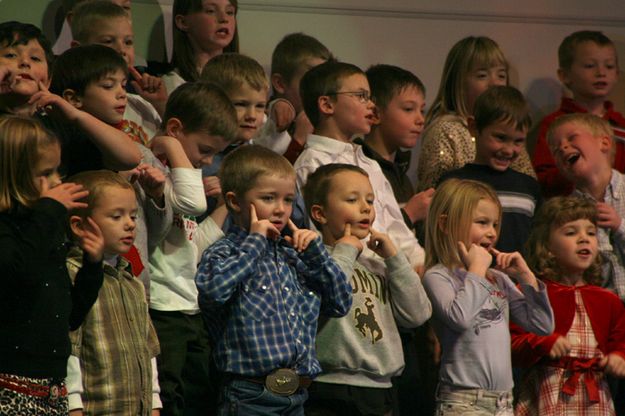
{"x": 582, "y": 147}
{"x": 360, "y": 352}
{"x": 37, "y": 301}
{"x": 91, "y": 80}
{"x": 399, "y": 98}
{"x": 335, "y": 96}
{"x": 200, "y": 117}
{"x": 566, "y": 374}
{"x": 472, "y": 66}
{"x": 202, "y": 31}
{"x": 500, "y": 127}
{"x": 105, "y": 23}
{"x": 261, "y": 293}
{"x": 472, "y": 303}
{"x": 588, "y": 67}
{"x": 113, "y": 360}
{"x": 287, "y": 126}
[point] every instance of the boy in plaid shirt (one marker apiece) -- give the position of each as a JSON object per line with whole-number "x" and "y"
{"x": 261, "y": 292}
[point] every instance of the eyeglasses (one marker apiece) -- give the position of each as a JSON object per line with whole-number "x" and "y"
{"x": 363, "y": 96}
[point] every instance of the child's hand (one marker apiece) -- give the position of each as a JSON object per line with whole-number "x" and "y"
{"x": 45, "y": 102}
{"x": 560, "y": 348}
{"x": 381, "y": 244}
{"x": 303, "y": 127}
{"x": 152, "y": 180}
{"x": 150, "y": 88}
{"x": 301, "y": 237}
{"x": 514, "y": 265}
{"x": 613, "y": 364}
{"x": 418, "y": 205}
{"x": 91, "y": 240}
{"x": 67, "y": 194}
{"x": 212, "y": 186}
{"x": 5, "y": 80}
{"x": 282, "y": 114}
{"x": 607, "y": 216}
{"x": 476, "y": 259}
{"x": 262, "y": 227}
{"x": 349, "y": 239}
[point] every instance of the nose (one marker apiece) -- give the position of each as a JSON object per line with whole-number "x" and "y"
{"x": 222, "y": 16}
{"x": 280, "y": 207}
{"x": 24, "y": 61}
{"x": 206, "y": 160}
{"x": 130, "y": 223}
{"x": 250, "y": 113}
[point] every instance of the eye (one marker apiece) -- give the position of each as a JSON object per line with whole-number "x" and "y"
{"x": 267, "y": 198}
{"x": 129, "y": 42}
{"x": 261, "y": 106}
{"x": 9, "y": 55}
{"x": 133, "y": 217}
{"x": 289, "y": 200}
{"x": 240, "y": 104}
{"x": 209, "y": 10}
{"x": 370, "y": 201}
{"x": 36, "y": 58}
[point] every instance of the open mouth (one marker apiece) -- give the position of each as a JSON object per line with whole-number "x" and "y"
{"x": 571, "y": 159}
{"x": 223, "y": 31}
{"x": 487, "y": 246}
{"x": 25, "y": 76}
{"x": 584, "y": 252}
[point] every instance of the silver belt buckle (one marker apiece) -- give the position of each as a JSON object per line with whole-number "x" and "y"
{"x": 283, "y": 381}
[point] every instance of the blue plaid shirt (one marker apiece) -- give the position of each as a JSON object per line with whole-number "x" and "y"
{"x": 261, "y": 300}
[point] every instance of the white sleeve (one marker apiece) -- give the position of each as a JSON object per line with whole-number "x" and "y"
{"x": 156, "y": 388}
{"x": 73, "y": 383}
{"x": 206, "y": 234}
{"x": 269, "y": 137}
{"x": 185, "y": 193}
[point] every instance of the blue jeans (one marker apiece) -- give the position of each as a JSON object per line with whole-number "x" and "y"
{"x": 245, "y": 398}
{"x": 451, "y": 401}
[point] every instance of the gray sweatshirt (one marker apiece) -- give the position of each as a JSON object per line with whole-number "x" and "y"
{"x": 471, "y": 318}
{"x": 363, "y": 348}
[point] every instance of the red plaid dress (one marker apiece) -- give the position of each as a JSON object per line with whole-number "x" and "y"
{"x": 542, "y": 393}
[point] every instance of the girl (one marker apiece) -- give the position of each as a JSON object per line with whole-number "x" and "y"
{"x": 589, "y": 337}
{"x": 38, "y": 304}
{"x": 472, "y": 66}
{"x": 472, "y": 304}
{"x": 202, "y": 30}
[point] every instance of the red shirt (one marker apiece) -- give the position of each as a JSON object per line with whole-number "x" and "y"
{"x": 549, "y": 177}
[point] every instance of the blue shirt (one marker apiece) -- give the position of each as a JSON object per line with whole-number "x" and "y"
{"x": 261, "y": 300}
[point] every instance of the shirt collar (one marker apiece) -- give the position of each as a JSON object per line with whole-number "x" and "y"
{"x": 328, "y": 145}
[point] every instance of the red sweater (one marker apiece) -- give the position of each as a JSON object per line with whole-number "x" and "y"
{"x": 551, "y": 181}
{"x": 605, "y": 311}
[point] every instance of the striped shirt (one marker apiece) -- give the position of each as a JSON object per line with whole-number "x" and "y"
{"x": 261, "y": 300}
{"x": 115, "y": 344}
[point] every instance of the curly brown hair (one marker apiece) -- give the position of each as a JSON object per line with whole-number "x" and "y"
{"x": 553, "y": 214}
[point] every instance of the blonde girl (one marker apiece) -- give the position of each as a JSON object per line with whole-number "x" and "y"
{"x": 202, "y": 29}
{"x": 38, "y": 304}
{"x": 473, "y": 303}
{"x": 473, "y": 65}
{"x": 568, "y": 368}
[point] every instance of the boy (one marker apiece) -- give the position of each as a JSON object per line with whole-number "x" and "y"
{"x": 582, "y": 146}
{"x": 199, "y": 118}
{"x": 112, "y": 362}
{"x": 399, "y": 98}
{"x": 104, "y": 22}
{"x": 588, "y": 67}
{"x": 295, "y": 54}
{"x": 261, "y": 293}
{"x": 335, "y": 96}
{"x": 360, "y": 359}
{"x": 500, "y": 124}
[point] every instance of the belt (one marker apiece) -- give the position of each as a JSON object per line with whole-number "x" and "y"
{"x": 282, "y": 381}
{"x": 53, "y": 391}
{"x": 579, "y": 367}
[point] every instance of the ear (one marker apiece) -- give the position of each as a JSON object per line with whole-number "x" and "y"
{"x": 181, "y": 22}
{"x": 318, "y": 214}
{"x": 174, "y": 127}
{"x": 74, "y": 43}
{"x": 72, "y": 97}
{"x": 232, "y": 202}
{"x": 442, "y": 223}
{"x": 278, "y": 84}
{"x": 326, "y": 105}
{"x": 76, "y": 225}
{"x": 472, "y": 126}
{"x": 563, "y": 76}
{"x": 605, "y": 144}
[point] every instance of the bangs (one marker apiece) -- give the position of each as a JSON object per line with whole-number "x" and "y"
{"x": 488, "y": 56}
{"x": 574, "y": 213}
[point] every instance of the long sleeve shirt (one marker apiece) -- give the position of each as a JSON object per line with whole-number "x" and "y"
{"x": 261, "y": 300}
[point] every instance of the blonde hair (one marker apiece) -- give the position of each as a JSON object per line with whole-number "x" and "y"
{"x": 21, "y": 143}
{"x": 88, "y": 15}
{"x": 449, "y": 219}
{"x": 96, "y": 181}
{"x": 231, "y": 71}
{"x": 553, "y": 214}
{"x": 467, "y": 54}
{"x": 597, "y": 126}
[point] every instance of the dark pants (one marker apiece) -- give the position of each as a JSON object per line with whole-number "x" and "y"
{"x": 325, "y": 399}
{"x": 183, "y": 365}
